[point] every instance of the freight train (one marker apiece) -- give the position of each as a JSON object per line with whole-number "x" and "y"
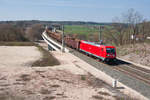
{"x": 102, "y": 52}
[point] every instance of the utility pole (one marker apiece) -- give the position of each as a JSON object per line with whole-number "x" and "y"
{"x": 46, "y": 27}
{"x": 62, "y": 49}
{"x": 100, "y": 31}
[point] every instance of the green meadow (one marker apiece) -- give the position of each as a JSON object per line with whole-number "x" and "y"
{"x": 80, "y": 29}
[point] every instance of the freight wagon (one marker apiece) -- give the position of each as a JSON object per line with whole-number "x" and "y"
{"x": 72, "y": 42}
{"x": 105, "y": 53}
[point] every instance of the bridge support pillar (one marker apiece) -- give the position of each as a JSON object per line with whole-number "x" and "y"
{"x": 50, "y": 48}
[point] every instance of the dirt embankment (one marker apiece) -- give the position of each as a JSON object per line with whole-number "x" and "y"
{"x": 20, "y": 81}
{"x": 50, "y": 84}
{"x": 18, "y": 56}
{"x": 138, "y": 53}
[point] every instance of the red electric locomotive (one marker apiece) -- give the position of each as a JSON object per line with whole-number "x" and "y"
{"x": 106, "y": 53}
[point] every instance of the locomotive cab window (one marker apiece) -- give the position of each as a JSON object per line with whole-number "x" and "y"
{"x": 110, "y": 50}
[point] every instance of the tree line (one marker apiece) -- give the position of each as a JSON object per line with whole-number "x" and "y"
{"x": 130, "y": 28}
{"x": 31, "y": 30}
{"x": 13, "y": 33}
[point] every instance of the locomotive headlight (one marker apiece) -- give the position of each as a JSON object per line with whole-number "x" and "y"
{"x": 108, "y": 55}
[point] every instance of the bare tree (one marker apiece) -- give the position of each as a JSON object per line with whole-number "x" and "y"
{"x": 10, "y": 32}
{"x": 145, "y": 29}
{"x": 132, "y": 18}
{"x": 34, "y": 32}
{"x": 124, "y": 27}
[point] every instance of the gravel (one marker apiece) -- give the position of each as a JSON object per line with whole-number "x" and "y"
{"x": 131, "y": 82}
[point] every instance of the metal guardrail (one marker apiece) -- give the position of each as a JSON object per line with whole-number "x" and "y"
{"x": 52, "y": 43}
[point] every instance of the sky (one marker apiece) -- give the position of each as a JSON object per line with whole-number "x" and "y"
{"x": 70, "y": 10}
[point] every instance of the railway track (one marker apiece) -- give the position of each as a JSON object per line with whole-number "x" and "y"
{"x": 134, "y": 71}
{"x": 139, "y": 73}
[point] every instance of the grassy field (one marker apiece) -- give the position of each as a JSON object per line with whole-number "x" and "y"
{"x": 80, "y": 29}
{"x": 47, "y": 59}
{"x": 85, "y": 32}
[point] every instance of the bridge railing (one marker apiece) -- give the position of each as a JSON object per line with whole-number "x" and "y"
{"x": 56, "y": 46}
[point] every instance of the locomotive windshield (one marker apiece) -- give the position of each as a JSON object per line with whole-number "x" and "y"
{"x": 110, "y": 50}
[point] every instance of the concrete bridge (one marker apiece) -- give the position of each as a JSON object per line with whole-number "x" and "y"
{"x": 52, "y": 45}
{"x": 125, "y": 82}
